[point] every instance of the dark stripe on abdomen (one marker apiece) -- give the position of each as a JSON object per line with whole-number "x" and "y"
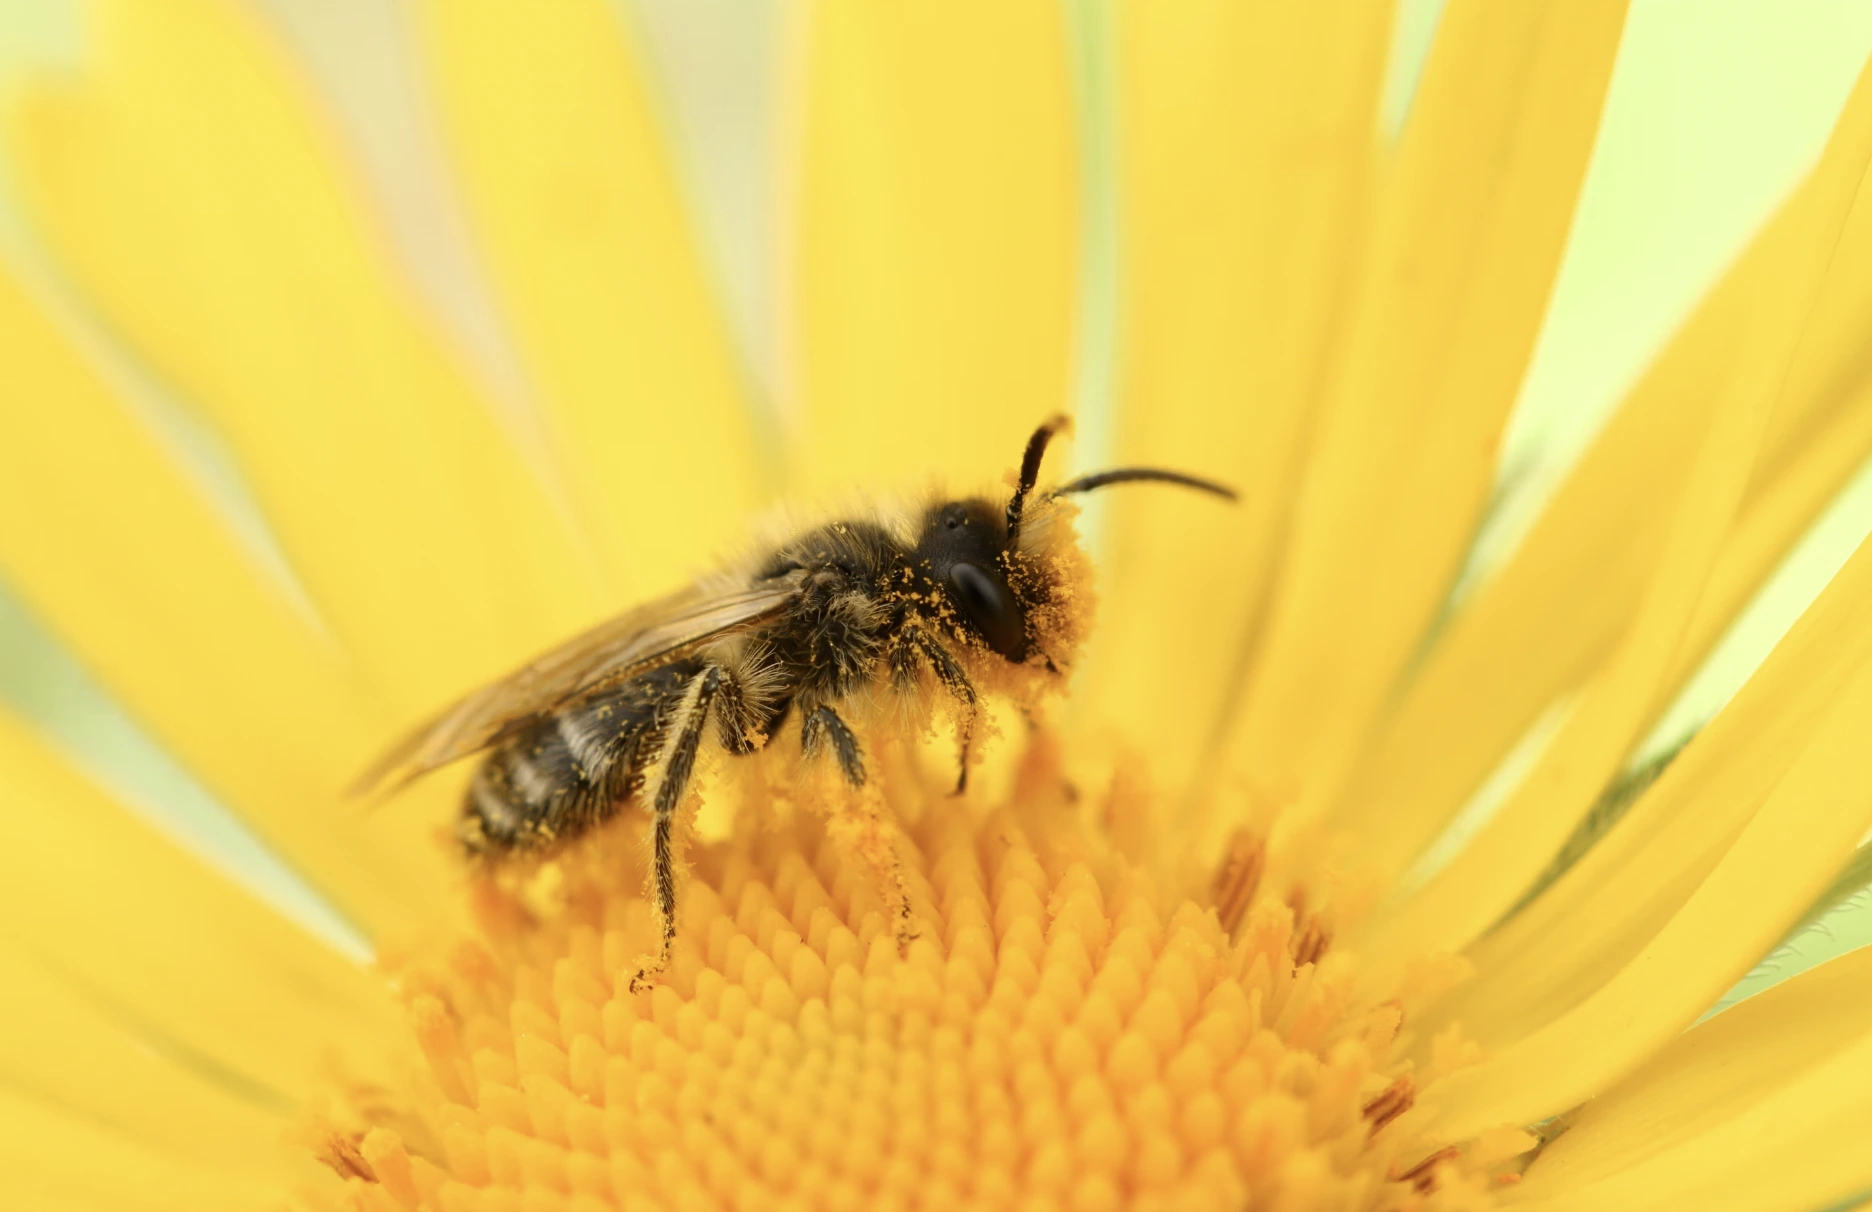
{"x": 574, "y": 769}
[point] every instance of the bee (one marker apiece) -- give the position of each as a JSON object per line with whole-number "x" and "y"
{"x": 962, "y": 597}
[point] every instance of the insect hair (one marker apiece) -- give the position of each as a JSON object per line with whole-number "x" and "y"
{"x": 832, "y": 627}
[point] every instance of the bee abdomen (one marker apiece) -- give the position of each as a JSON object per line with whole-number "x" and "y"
{"x": 573, "y": 769}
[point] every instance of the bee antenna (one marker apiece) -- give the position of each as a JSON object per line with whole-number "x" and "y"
{"x": 1030, "y": 470}
{"x": 1133, "y": 475}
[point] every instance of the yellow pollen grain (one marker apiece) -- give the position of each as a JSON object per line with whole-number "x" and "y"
{"x": 1058, "y": 1033}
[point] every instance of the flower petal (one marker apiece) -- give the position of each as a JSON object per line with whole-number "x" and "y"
{"x": 1484, "y": 880}
{"x": 184, "y": 185}
{"x": 1600, "y": 914}
{"x": 54, "y": 1158}
{"x": 65, "y": 1050}
{"x": 572, "y": 192}
{"x": 1781, "y": 860}
{"x": 1463, "y": 249}
{"x": 1234, "y": 268}
{"x": 936, "y": 224}
{"x": 129, "y": 563}
{"x": 1713, "y": 1120}
{"x": 138, "y": 929}
{"x": 1507, "y": 654}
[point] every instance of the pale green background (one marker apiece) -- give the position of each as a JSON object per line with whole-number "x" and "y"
{"x": 1716, "y": 108}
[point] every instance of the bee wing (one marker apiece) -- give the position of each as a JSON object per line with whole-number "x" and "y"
{"x": 641, "y": 639}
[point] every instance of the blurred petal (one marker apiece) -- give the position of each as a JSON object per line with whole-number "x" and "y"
{"x": 1780, "y": 861}
{"x": 1234, "y": 270}
{"x": 1600, "y": 914}
{"x": 64, "y": 1050}
{"x": 572, "y": 191}
{"x": 55, "y": 1158}
{"x": 1762, "y": 1107}
{"x": 129, "y": 563}
{"x": 936, "y": 220}
{"x": 1484, "y": 880}
{"x": 184, "y": 185}
{"x": 141, "y": 931}
{"x": 1467, "y": 236}
{"x": 1506, "y": 656}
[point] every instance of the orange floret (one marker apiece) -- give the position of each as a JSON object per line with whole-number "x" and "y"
{"x": 1059, "y": 1033}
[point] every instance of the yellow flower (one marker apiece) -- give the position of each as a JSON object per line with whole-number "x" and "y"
{"x": 1178, "y": 950}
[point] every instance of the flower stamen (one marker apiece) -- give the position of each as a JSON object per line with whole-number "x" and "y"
{"x": 1059, "y": 1030}
{"x": 1395, "y": 1100}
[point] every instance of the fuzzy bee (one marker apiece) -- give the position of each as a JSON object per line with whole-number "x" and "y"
{"x": 966, "y": 597}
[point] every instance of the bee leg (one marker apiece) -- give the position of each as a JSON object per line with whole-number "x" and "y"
{"x": 868, "y": 832}
{"x": 678, "y": 764}
{"x": 738, "y": 724}
{"x": 957, "y": 683}
{"x": 822, "y": 725}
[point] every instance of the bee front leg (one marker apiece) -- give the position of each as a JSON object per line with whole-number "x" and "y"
{"x": 949, "y": 672}
{"x": 678, "y": 763}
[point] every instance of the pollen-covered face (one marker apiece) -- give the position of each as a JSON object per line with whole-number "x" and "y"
{"x": 963, "y": 550}
{"x": 1012, "y": 580}
{"x": 1027, "y": 602}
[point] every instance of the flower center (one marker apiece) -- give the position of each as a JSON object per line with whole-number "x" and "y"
{"x": 1057, "y": 1034}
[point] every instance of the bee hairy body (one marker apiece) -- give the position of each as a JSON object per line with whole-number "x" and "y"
{"x": 583, "y": 763}
{"x": 858, "y": 618}
{"x": 961, "y": 594}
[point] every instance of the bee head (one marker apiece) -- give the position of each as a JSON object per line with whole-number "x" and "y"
{"x": 993, "y": 571}
{"x": 964, "y": 547}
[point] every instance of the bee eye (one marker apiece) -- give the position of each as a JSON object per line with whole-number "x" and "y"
{"x": 991, "y": 608}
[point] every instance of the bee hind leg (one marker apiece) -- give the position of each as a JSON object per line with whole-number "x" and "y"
{"x": 678, "y": 764}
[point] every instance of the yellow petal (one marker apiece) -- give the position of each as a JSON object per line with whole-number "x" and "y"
{"x": 1463, "y": 248}
{"x": 1762, "y": 1107}
{"x": 1790, "y": 491}
{"x": 98, "y": 900}
{"x": 1233, "y": 270}
{"x": 1486, "y": 878}
{"x": 933, "y": 278}
{"x": 186, "y": 188}
{"x": 54, "y": 1158}
{"x": 1602, "y": 911}
{"x": 1781, "y": 860}
{"x": 571, "y": 190}
{"x": 127, "y": 561}
{"x": 1508, "y": 654}
{"x": 65, "y": 1050}
{"x": 1499, "y": 863}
